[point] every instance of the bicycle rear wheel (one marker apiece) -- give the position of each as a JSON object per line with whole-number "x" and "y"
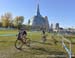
{"x": 18, "y": 44}
{"x": 28, "y": 42}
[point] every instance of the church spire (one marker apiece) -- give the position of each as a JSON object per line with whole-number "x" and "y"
{"x": 38, "y": 10}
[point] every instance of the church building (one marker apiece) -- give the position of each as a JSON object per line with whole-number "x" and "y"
{"x": 38, "y": 22}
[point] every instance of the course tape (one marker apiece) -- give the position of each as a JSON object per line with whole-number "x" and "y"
{"x": 65, "y": 47}
{"x": 68, "y": 51}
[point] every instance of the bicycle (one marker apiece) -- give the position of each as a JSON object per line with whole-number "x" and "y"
{"x": 19, "y": 43}
{"x": 44, "y": 38}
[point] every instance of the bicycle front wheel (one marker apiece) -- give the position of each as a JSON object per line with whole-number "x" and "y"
{"x": 18, "y": 44}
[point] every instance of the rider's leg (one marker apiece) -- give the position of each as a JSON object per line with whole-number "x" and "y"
{"x": 24, "y": 39}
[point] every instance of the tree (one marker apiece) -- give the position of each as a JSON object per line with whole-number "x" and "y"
{"x": 18, "y": 21}
{"x": 6, "y": 19}
{"x": 0, "y": 24}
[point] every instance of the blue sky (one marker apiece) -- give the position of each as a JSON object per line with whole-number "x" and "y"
{"x": 61, "y": 11}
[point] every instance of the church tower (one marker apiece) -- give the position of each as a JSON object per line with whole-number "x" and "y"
{"x": 38, "y": 10}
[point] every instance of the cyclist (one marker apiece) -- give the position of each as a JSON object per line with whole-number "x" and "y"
{"x": 44, "y": 36}
{"x": 22, "y": 35}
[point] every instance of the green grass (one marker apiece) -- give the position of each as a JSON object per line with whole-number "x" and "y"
{"x": 38, "y": 50}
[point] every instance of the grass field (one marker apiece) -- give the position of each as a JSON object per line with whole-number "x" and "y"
{"x": 37, "y": 50}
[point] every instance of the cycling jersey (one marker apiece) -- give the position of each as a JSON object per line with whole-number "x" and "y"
{"x": 21, "y": 33}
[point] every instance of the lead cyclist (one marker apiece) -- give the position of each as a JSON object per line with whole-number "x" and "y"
{"x": 22, "y": 35}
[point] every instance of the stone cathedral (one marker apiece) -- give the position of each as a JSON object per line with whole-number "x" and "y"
{"x": 38, "y": 22}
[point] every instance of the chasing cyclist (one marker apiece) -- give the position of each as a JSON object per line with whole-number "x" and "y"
{"x": 44, "y": 36}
